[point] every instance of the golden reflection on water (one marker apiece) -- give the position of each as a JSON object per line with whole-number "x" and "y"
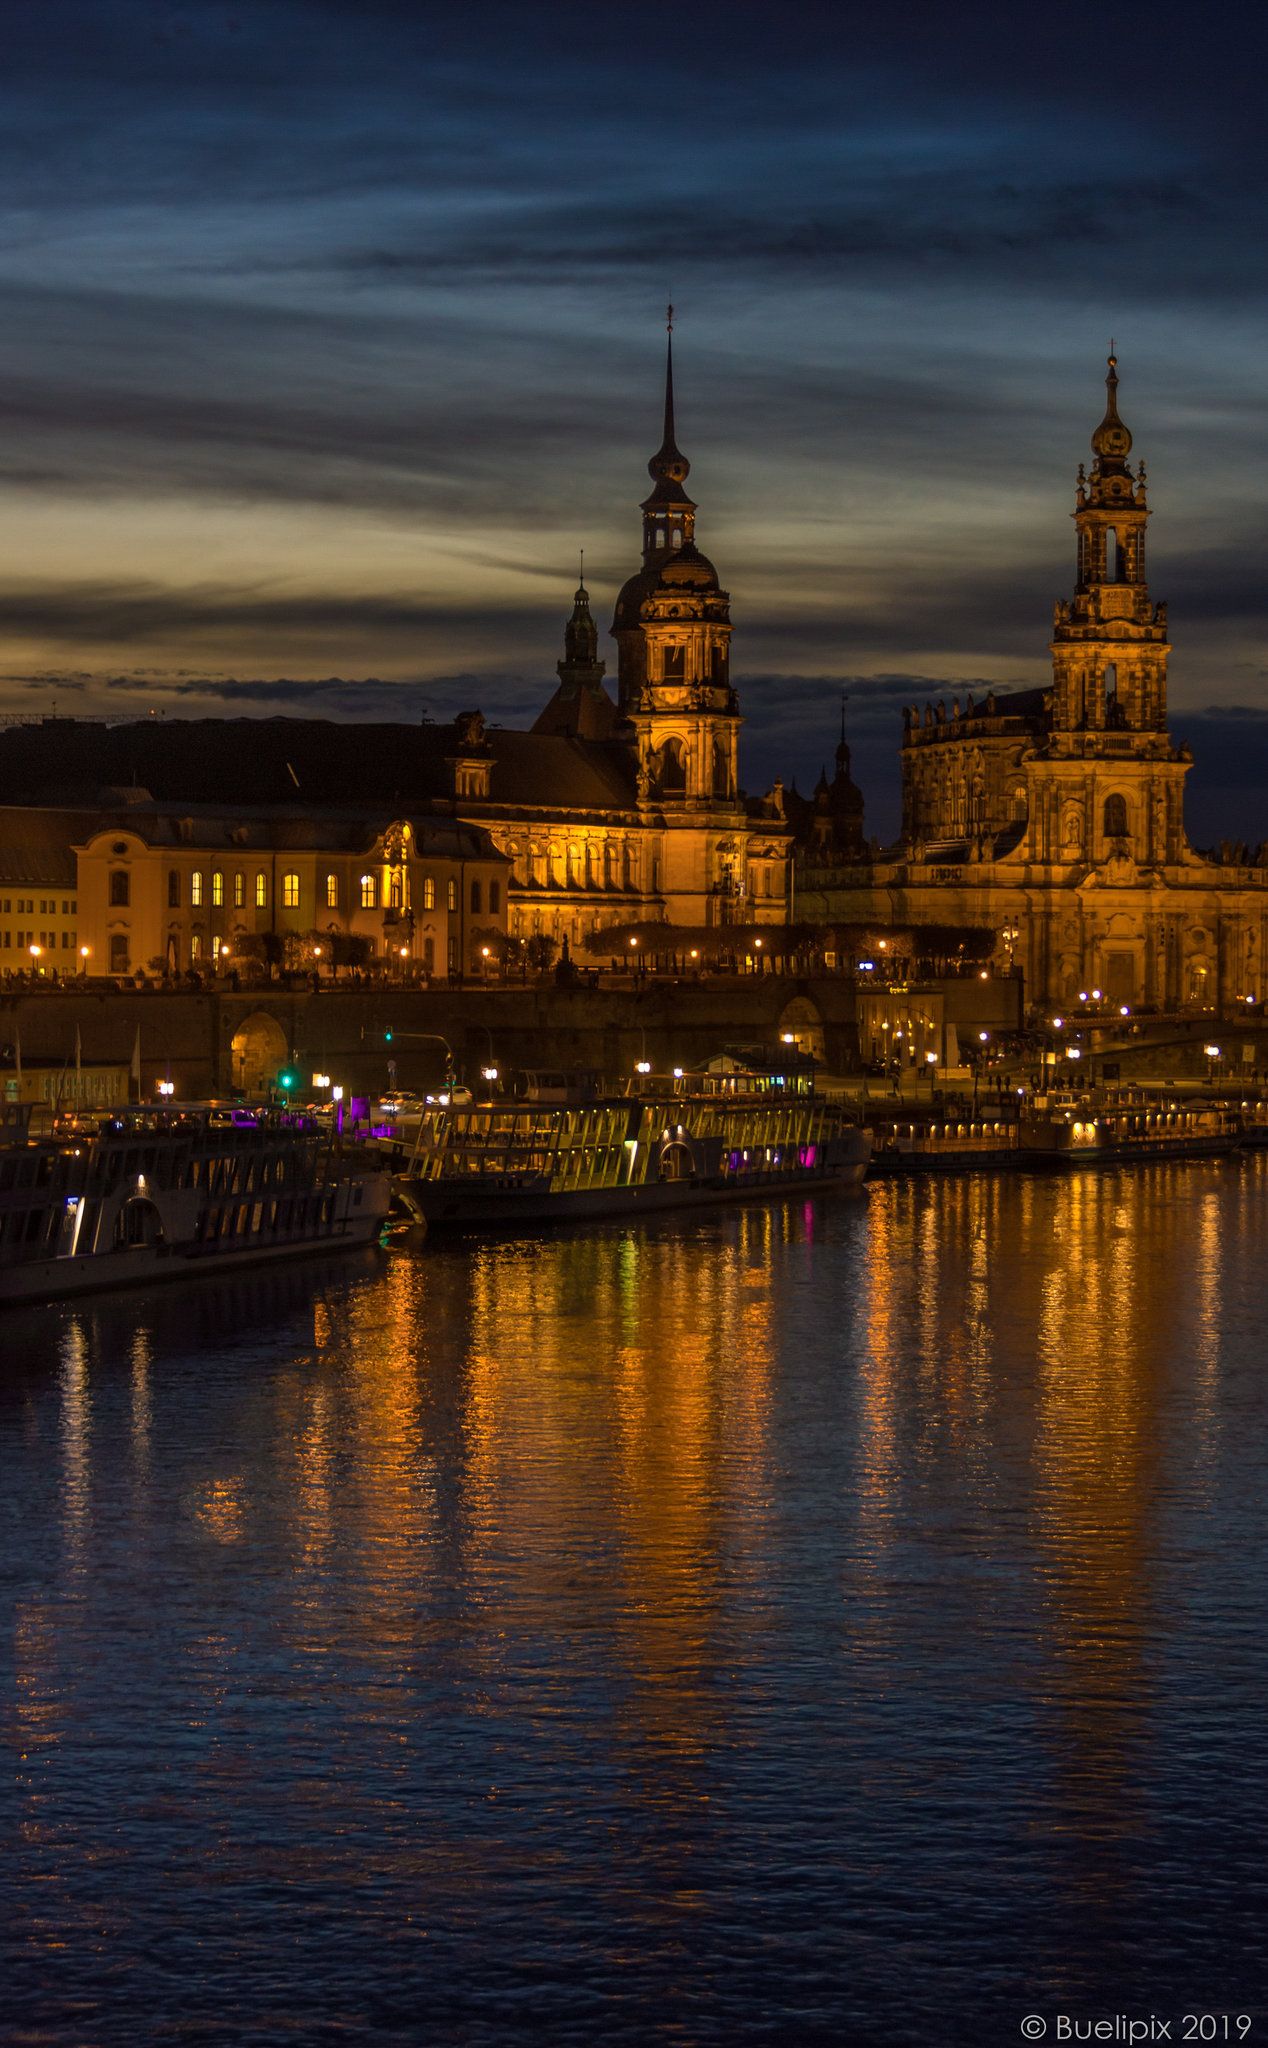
{"x": 585, "y": 1440}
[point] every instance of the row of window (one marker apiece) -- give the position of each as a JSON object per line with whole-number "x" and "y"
{"x": 50, "y": 942}
{"x": 26, "y": 905}
{"x": 210, "y": 889}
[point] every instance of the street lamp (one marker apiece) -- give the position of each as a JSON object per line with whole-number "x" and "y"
{"x": 642, "y": 1067}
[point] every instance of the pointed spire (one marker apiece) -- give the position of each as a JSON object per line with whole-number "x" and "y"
{"x": 669, "y": 376}
{"x": 669, "y": 464}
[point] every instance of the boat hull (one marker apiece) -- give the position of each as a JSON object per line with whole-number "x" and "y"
{"x": 454, "y": 1205}
{"x": 42, "y": 1280}
{"x": 1045, "y": 1158}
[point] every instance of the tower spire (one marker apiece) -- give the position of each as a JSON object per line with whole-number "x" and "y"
{"x": 669, "y": 376}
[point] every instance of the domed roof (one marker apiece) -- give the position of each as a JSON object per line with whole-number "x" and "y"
{"x": 684, "y": 573}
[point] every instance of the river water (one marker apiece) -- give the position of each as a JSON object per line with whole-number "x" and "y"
{"x": 828, "y": 1622}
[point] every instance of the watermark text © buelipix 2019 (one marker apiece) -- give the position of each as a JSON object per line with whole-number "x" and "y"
{"x": 1191, "y": 2026}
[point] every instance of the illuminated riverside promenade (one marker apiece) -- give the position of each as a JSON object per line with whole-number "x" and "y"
{"x": 838, "y": 1620}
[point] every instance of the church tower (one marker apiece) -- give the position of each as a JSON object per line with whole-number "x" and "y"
{"x": 1109, "y": 643}
{"x": 673, "y": 629}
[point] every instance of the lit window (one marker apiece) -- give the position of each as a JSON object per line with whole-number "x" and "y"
{"x": 196, "y": 889}
{"x": 452, "y": 896}
{"x": 369, "y": 892}
{"x": 332, "y": 892}
{"x": 290, "y": 891}
{"x": 217, "y": 889}
{"x": 261, "y": 892}
{"x": 239, "y": 891}
{"x": 429, "y": 892}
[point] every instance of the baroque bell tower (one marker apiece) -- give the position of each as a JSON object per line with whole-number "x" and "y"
{"x": 1109, "y": 642}
{"x": 673, "y": 629}
{"x": 673, "y": 632}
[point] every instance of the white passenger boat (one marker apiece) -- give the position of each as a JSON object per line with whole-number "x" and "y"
{"x": 150, "y": 1194}
{"x": 684, "y": 1141}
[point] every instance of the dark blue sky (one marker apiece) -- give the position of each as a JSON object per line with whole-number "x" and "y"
{"x": 333, "y": 331}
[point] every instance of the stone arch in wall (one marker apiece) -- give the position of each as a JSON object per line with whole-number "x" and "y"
{"x": 801, "y": 1018}
{"x": 260, "y": 1051}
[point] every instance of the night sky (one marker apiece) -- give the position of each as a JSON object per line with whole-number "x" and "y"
{"x": 332, "y": 332}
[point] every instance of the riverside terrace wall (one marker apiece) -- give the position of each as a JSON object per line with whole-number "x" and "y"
{"x": 341, "y": 1032}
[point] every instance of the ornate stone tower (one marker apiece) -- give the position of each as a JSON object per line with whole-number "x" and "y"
{"x": 673, "y": 628}
{"x": 1109, "y": 643}
{"x": 1108, "y": 783}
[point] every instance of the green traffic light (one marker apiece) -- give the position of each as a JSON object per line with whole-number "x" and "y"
{"x": 387, "y": 1038}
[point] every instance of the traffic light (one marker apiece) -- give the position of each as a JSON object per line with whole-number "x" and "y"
{"x": 387, "y": 1036}
{"x": 286, "y": 1079}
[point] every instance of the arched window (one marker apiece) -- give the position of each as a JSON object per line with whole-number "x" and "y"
{"x": 429, "y": 892}
{"x": 673, "y": 766}
{"x": 217, "y": 889}
{"x": 196, "y": 889}
{"x": 173, "y": 890}
{"x": 369, "y": 892}
{"x": 332, "y": 892}
{"x": 195, "y": 949}
{"x": 495, "y": 899}
{"x": 396, "y": 893}
{"x": 1115, "y": 817}
{"x": 290, "y": 891}
{"x": 475, "y": 899}
{"x": 239, "y": 890}
{"x": 451, "y": 895}
{"x": 1021, "y": 809}
{"x": 261, "y": 891}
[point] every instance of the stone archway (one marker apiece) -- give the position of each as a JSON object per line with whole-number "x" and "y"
{"x": 260, "y": 1052}
{"x": 801, "y": 1018}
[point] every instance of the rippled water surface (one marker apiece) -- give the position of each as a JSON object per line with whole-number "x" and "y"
{"x": 824, "y": 1622}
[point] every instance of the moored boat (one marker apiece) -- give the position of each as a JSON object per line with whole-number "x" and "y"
{"x": 147, "y": 1194}
{"x": 1080, "y": 1134}
{"x": 686, "y": 1141}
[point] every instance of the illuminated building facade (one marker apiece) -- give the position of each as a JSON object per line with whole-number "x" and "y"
{"x": 204, "y": 890}
{"x": 1055, "y": 816}
{"x": 605, "y": 813}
